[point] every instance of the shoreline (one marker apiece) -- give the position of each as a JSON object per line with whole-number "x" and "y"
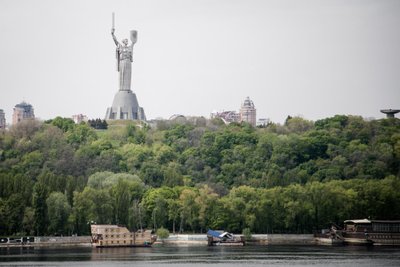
{"x": 256, "y": 240}
{"x": 172, "y": 240}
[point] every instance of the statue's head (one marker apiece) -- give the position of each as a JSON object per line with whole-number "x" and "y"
{"x": 125, "y": 41}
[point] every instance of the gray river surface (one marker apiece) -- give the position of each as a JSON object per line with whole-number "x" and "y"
{"x": 316, "y": 256}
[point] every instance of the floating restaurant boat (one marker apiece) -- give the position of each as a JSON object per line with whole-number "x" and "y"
{"x": 106, "y": 235}
{"x": 223, "y": 239}
{"x": 362, "y": 232}
{"x": 379, "y": 232}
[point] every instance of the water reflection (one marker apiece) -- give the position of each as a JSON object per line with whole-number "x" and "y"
{"x": 202, "y": 256}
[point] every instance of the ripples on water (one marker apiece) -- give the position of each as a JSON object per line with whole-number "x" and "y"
{"x": 298, "y": 256}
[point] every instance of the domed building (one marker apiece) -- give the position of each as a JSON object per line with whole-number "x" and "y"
{"x": 248, "y": 112}
{"x": 22, "y": 111}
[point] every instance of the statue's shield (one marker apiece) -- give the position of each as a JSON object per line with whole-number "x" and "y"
{"x": 133, "y": 36}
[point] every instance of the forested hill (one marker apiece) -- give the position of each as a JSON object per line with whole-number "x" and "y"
{"x": 56, "y": 177}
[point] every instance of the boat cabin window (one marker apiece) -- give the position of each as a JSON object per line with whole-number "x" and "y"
{"x": 386, "y": 227}
{"x": 358, "y": 227}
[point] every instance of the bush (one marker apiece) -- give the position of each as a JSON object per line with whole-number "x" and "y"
{"x": 246, "y": 234}
{"x": 162, "y": 233}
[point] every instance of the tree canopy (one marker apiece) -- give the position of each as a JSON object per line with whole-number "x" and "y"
{"x": 57, "y": 177}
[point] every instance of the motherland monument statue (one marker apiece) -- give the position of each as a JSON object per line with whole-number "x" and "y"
{"x": 125, "y": 105}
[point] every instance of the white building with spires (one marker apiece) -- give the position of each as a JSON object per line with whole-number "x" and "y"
{"x": 248, "y": 112}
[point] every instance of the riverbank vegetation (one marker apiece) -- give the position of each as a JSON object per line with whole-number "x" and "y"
{"x": 57, "y": 177}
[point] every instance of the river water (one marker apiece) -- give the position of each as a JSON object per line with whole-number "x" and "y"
{"x": 248, "y": 256}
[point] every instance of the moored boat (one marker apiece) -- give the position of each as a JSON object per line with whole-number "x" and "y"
{"x": 362, "y": 232}
{"x": 107, "y": 235}
{"x": 331, "y": 236}
{"x": 223, "y": 239}
{"x": 377, "y": 232}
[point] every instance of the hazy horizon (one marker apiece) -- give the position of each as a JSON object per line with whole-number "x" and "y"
{"x": 313, "y": 58}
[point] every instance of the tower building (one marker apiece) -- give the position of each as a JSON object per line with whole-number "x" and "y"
{"x": 248, "y": 112}
{"x": 2, "y": 119}
{"x": 22, "y": 111}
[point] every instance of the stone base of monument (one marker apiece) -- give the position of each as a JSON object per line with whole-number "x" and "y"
{"x": 125, "y": 107}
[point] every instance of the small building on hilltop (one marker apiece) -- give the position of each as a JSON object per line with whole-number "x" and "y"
{"x": 248, "y": 112}
{"x": 2, "y": 119}
{"x": 78, "y": 118}
{"x": 22, "y": 111}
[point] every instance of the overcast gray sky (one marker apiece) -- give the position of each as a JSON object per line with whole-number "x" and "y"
{"x": 314, "y": 58}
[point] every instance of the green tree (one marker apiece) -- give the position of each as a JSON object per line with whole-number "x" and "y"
{"x": 65, "y": 124}
{"x": 247, "y": 234}
{"x": 92, "y": 205}
{"x": 58, "y": 212}
{"x": 162, "y": 233}
{"x": 28, "y": 221}
{"x": 135, "y": 155}
{"x": 151, "y": 174}
{"x": 40, "y": 194}
{"x": 81, "y": 134}
{"x": 298, "y": 124}
{"x": 136, "y": 215}
{"x": 13, "y": 212}
{"x": 122, "y": 200}
{"x": 155, "y": 203}
{"x": 172, "y": 175}
{"x": 189, "y": 209}
{"x": 206, "y": 202}
{"x": 173, "y": 212}
{"x": 25, "y": 129}
{"x": 241, "y": 204}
